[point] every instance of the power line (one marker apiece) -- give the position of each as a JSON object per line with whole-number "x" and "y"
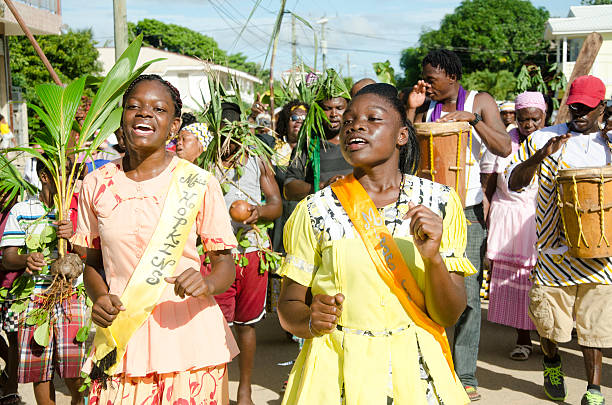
{"x": 347, "y": 49}
{"x": 221, "y": 13}
{"x": 404, "y": 41}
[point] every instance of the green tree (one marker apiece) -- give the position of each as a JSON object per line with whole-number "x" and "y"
{"x": 486, "y": 34}
{"x": 595, "y": 2}
{"x": 71, "y": 54}
{"x": 178, "y": 39}
{"x": 185, "y": 41}
{"x": 410, "y": 62}
{"x": 501, "y": 85}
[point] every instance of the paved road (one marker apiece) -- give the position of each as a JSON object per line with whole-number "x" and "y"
{"x": 502, "y": 381}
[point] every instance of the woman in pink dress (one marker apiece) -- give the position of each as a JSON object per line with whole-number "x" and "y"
{"x": 179, "y": 353}
{"x": 511, "y": 244}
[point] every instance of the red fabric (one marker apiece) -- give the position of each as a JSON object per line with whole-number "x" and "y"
{"x": 6, "y": 277}
{"x": 245, "y": 301}
{"x": 73, "y": 214}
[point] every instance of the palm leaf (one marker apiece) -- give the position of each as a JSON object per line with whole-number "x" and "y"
{"x": 257, "y": 3}
{"x": 110, "y": 126}
{"x": 12, "y": 183}
{"x": 61, "y": 105}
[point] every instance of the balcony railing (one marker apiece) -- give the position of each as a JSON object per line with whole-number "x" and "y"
{"x": 50, "y": 5}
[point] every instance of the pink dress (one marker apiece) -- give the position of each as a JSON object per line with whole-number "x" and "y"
{"x": 511, "y": 247}
{"x": 180, "y": 334}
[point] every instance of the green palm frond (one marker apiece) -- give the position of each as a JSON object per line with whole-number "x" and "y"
{"x": 225, "y": 133}
{"x": 12, "y": 184}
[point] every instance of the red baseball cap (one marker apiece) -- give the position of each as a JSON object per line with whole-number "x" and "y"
{"x": 588, "y": 90}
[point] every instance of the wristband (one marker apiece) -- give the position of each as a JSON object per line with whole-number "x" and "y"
{"x": 476, "y": 120}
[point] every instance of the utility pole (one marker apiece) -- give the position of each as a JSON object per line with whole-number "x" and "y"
{"x": 37, "y": 48}
{"x": 293, "y": 43}
{"x": 348, "y": 65}
{"x": 323, "y": 21}
{"x": 121, "y": 31}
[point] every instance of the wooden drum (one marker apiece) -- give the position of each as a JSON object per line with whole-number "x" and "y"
{"x": 585, "y": 201}
{"x": 442, "y": 146}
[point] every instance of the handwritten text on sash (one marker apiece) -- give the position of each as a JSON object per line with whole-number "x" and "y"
{"x": 168, "y": 249}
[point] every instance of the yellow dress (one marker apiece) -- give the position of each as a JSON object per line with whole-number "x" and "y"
{"x": 379, "y": 353}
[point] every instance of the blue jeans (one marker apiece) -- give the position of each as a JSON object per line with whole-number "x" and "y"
{"x": 467, "y": 328}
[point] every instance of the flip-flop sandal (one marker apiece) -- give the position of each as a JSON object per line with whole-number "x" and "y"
{"x": 11, "y": 399}
{"x": 521, "y": 352}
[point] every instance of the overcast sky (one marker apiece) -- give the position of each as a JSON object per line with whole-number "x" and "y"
{"x": 358, "y": 32}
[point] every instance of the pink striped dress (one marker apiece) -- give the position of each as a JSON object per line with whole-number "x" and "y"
{"x": 511, "y": 247}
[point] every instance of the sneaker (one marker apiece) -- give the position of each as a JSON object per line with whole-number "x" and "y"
{"x": 593, "y": 397}
{"x": 554, "y": 384}
{"x": 472, "y": 393}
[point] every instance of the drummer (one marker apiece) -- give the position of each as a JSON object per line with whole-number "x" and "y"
{"x": 567, "y": 287}
{"x": 450, "y": 102}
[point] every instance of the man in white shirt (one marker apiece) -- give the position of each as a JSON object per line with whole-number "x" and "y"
{"x": 567, "y": 288}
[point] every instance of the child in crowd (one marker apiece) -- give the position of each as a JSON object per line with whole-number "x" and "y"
{"x": 26, "y": 223}
{"x": 243, "y": 304}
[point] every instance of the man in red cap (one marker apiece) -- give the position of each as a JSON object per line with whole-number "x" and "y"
{"x": 566, "y": 287}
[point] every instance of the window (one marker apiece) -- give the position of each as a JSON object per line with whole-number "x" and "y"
{"x": 574, "y": 45}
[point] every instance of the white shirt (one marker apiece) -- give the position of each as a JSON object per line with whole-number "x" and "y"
{"x": 554, "y": 268}
{"x": 5, "y": 142}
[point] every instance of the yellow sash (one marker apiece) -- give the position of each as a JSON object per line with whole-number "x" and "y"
{"x": 184, "y": 199}
{"x": 387, "y": 257}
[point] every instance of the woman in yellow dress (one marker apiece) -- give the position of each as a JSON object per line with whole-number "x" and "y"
{"x": 362, "y": 345}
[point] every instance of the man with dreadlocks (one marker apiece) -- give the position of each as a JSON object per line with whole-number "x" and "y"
{"x": 450, "y": 102}
{"x": 317, "y": 160}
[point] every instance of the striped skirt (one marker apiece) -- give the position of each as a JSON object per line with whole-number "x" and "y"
{"x": 509, "y": 295}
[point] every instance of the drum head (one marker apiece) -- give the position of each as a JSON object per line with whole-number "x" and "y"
{"x": 441, "y": 128}
{"x": 583, "y": 173}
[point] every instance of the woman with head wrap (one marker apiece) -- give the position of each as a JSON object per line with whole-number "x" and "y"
{"x": 192, "y": 141}
{"x": 512, "y": 234}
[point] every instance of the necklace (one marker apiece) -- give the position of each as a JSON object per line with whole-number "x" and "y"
{"x": 397, "y": 203}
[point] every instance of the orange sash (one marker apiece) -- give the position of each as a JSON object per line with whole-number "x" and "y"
{"x": 387, "y": 257}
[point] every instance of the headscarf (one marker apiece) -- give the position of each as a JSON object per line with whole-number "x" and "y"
{"x": 530, "y": 99}
{"x": 299, "y": 107}
{"x": 507, "y": 106}
{"x": 200, "y": 130}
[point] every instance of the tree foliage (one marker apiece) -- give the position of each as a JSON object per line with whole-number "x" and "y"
{"x": 595, "y": 2}
{"x": 71, "y": 54}
{"x": 501, "y": 85}
{"x": 486, "y": 34}
{"x": 185, "y": 41}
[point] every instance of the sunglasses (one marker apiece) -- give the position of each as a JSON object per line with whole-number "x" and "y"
{"x": 581, "y": 108}
{"x": 297, "y": 118}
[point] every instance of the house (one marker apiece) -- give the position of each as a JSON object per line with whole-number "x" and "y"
{"x": 41, "y": 17}
{"x": 189, "y": 75}
{"x": 570, "y": 32}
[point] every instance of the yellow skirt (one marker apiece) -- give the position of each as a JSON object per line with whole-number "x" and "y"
{"x": 206, "y": 386}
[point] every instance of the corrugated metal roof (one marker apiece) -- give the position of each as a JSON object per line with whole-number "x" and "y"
{"x": 581, "y": 20}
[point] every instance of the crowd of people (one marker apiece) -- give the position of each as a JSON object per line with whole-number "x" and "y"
{"x": 376, "y": 261}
